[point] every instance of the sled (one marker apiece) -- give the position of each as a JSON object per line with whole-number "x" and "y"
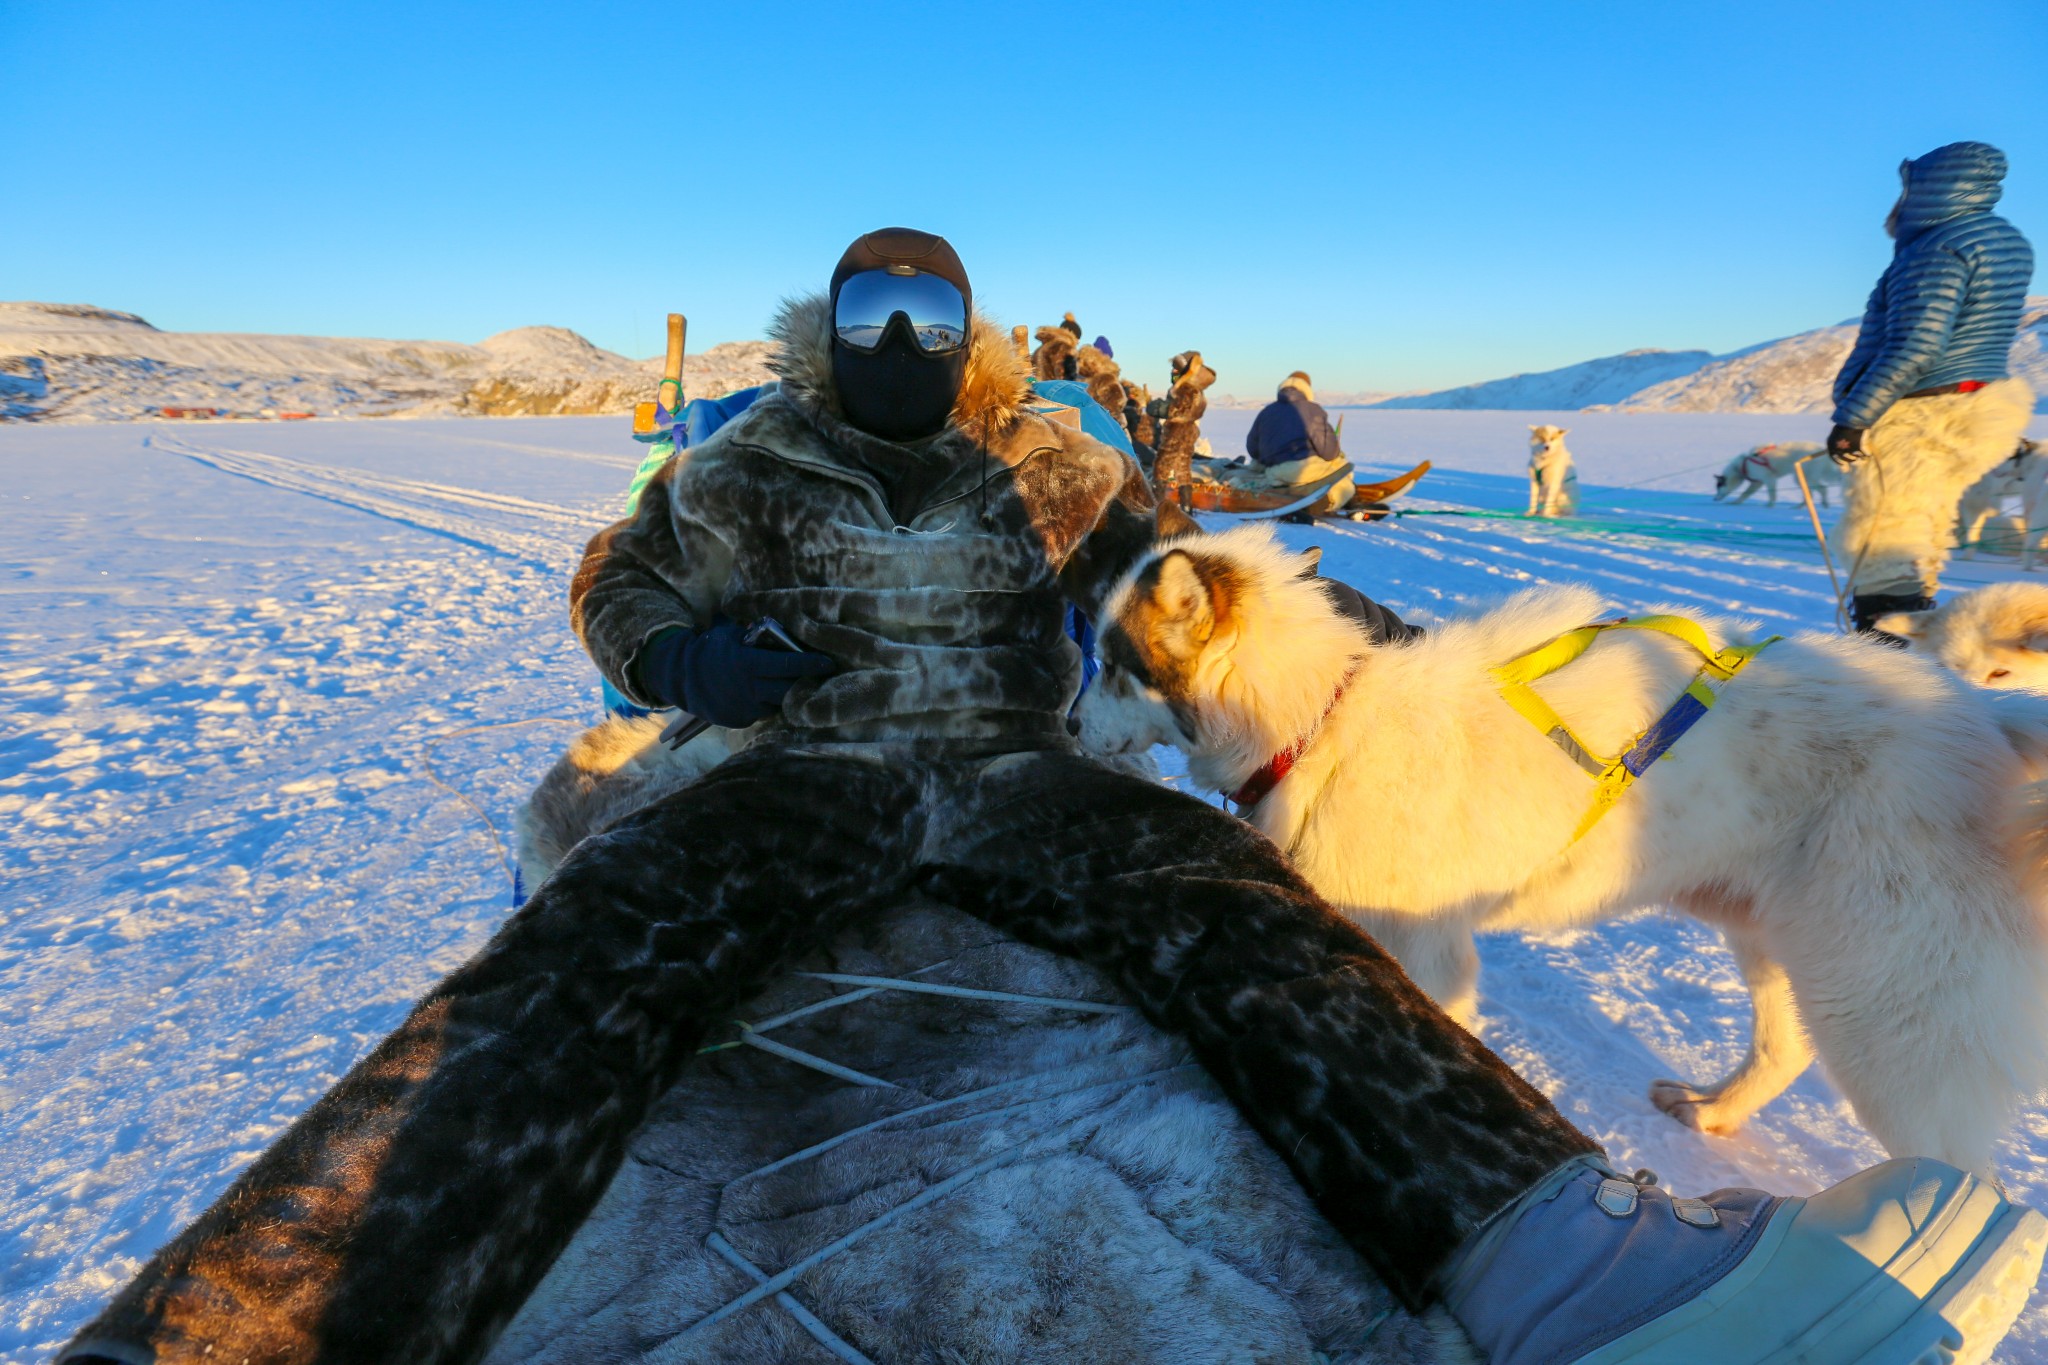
{"x": 1368, "y": 493}
{"x": 923, "y": 1092}
{"x": 1368, "y": 500}
{"x": 1254, "y": 503}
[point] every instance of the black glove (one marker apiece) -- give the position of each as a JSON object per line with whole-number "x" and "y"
{"x": 1845, "y": 446}
{"x": 1376, "y": 620}
{"x": 716, "y": 676}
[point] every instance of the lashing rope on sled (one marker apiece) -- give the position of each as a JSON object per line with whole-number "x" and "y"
{"x": 1613, "y": 776}
{"x": 776, "y": 1287}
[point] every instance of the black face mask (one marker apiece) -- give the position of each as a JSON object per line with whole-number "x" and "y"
{"x": 897, "y": 392}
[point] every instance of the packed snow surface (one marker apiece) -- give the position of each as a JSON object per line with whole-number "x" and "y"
{"x": 269, "y": 694}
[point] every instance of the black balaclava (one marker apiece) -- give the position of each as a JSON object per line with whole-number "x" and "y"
{"x": 899, "y": 392}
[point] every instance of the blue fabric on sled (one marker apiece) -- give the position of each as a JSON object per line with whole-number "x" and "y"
{"x": 1095, "y": 420}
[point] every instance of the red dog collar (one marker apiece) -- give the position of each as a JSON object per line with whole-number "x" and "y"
{"x": 1261, "y": 783}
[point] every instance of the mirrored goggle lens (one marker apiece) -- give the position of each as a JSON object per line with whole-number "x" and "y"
{"x": 937, "y": 312}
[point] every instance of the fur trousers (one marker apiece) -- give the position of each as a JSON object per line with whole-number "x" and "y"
{"x": 1899, "y": 521}
{"x": 408, "y": 1214}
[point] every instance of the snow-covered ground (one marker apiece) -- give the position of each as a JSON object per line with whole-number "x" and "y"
{"x": 269, "y": 693}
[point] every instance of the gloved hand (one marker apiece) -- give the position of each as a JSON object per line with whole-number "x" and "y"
{"x": 716, "y": 676}
{"x": 1845, "y": 446}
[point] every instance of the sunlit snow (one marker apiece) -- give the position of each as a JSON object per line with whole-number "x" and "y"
{"x": 248, "y": 671}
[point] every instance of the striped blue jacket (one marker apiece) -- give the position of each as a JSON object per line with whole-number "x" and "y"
{"x": 1948, "y": 306}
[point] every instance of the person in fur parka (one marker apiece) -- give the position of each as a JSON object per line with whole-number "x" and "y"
{"x": 1054, "y": 358}
{"x": 900, "y": 509}
{"x": 1173, "y": 471}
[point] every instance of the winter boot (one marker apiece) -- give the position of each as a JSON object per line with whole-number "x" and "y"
{"x": 1908, "y": 1263}
{"x": 1865, "y": 612}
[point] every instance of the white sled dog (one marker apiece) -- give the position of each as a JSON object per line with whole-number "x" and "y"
{"x": 1992, "y": 637}
{"x": 1763, "y": 466}
{"x": 2024, "y": 476}
{"x": 1553, "y": 483}
{"x": 1854, "y": 820}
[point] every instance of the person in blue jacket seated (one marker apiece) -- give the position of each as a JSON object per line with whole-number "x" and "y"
{"x": 1292, "y": 442}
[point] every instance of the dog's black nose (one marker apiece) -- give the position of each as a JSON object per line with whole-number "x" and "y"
{"x": 1074, "y": 726}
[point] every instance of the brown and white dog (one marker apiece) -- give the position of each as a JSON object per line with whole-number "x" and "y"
{"x": 1553, "y": 482}
{"x": 1854, "y": 820}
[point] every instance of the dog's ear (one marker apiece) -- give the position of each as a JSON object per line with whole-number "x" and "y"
{"x": 1309, "y": 563}
{"x": 1907, "y": 625}
{"x": 1171, "y": 523}
{"x": 1189, "y": 603}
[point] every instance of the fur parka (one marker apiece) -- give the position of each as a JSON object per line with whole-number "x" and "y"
{"x": 945, "y": 618}
{"x": 1054, "y": 358}
{"x": 1184, "y": 408}
{"x": 1104, "y": 378}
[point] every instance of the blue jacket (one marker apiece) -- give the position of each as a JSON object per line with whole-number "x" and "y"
{"x": 1291, "y": 427}
{"x": 1948, "y": 306}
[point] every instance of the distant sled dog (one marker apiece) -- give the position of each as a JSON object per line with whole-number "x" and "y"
{"x": 1852, "y": 818}
{"x": 1553, "y": 482}
{"x": 1763, "y": 466}
{"x": 2024, "y": 476}
{"x": 1992, "y": 637}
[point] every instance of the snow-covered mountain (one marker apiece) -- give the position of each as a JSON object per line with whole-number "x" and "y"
{"x": 1796, "y": 373}
{"x": 1792, "y": 374}
{"x": 1606, "y": 380}
{"x": 77, "y": 362}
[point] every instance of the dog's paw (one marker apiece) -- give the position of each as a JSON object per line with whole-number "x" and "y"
{"x": 1686, "y": 1103}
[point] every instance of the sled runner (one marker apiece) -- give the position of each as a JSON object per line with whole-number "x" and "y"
{"x": 1390, "y": 488}
{"x": 1251, "y": 503}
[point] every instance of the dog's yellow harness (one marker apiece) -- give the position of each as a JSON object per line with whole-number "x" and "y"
{"x": 1613, "y": 776}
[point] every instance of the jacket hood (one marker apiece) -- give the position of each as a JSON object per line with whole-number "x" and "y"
{"x": 1963, "y": 177}
{"x": 994, "y": 392}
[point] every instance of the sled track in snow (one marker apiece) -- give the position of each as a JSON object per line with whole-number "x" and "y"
{"x": 544, "y": 534}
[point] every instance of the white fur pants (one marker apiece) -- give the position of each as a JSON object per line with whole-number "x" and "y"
{"x": 1898, "y": 524}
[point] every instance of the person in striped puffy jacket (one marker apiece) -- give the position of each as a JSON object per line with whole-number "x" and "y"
{"x": 1928, "y": 393}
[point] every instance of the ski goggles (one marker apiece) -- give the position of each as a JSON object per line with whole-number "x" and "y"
{"x": 868, "y": 301}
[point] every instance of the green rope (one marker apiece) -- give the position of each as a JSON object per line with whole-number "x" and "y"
{"x": 1652, "y": 530}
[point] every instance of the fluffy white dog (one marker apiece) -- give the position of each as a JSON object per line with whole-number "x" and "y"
{"x": 1553, "y": 483}
{"x": 1853, "y": 819}
{"x": 1993, "y": 637}
{"x": 2025, "y": 477}
{"x": 1763, "y": 466}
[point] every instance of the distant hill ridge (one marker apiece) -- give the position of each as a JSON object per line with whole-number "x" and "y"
{"x": 1793, "y": 374}
{"x": 77, "y": 362}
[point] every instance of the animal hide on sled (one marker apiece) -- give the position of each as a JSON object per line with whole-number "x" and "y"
{"x": 1044, "y": 1181}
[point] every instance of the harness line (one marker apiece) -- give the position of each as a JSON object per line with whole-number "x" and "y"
{"x": 1613, "y": 776}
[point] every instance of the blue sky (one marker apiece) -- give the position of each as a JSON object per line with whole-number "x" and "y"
{"x": 1389, "y": 196}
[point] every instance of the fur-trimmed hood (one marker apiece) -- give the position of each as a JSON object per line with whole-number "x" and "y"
{"x": 994, "y": 393}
